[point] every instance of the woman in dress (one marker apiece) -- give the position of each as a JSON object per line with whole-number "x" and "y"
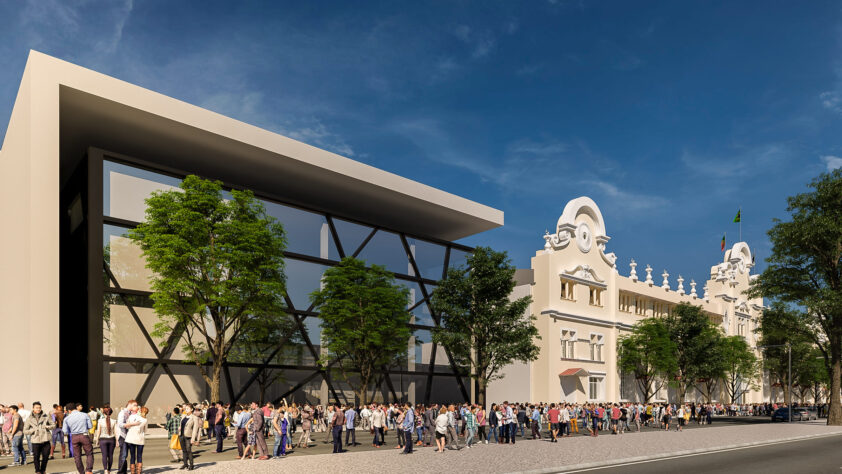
{"x": 306, "y": 426}
{"x": 136, "y": 438}
{"x": 251, "y": 440}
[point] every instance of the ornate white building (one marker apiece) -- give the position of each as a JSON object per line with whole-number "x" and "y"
{"x": 583, "y": 305}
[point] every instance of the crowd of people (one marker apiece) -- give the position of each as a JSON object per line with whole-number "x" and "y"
{"x": 72, "y": 430}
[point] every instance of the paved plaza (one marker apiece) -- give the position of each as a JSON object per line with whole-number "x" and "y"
{"x": 524, "y": 456}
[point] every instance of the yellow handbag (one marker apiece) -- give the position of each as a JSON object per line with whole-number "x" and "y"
{"x": 175, "y": 443}
{"x": 206, "y": 424}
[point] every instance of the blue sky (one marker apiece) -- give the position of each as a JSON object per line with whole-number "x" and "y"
{"x": 670, "y": 115}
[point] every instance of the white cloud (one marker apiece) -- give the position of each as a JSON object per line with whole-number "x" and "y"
{"x": 831, "y": 100}
{"x": 550, "y": 147}
{"x": 481, "y": 43}
{"x": 529, "y": 166}
{"x": 248, "y": 107}
{"x": 626, "y": 199}
{"x": 737, "y": 162}
{"x": 832, "y": 162}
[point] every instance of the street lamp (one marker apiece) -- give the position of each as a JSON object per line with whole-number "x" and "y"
{"x": 789, "y": 377}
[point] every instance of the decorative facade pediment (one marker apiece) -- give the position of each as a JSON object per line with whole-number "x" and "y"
{"x": 584, "y": 274}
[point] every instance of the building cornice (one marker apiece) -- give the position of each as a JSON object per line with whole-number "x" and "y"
{"x": 584, "y": 319}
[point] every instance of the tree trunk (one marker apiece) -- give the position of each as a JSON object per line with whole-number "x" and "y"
{"x": 483, "y": 385}
{"x": 215, "y": 381}
{"x": 834, "y": 415}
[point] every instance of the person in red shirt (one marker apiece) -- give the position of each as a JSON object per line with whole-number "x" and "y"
{"x": 615, "y": 418}
{"x": 552, "y": 414}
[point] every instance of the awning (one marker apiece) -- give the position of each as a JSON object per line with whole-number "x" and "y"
{"x": 576, "y": 372}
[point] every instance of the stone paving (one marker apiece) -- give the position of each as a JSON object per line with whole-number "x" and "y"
{"x": 525, "y": 455}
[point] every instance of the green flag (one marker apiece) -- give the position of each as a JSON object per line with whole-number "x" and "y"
{"x": 737, "y": 217}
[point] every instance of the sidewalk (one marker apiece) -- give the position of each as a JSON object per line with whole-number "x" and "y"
{"x": 535, "y": 456}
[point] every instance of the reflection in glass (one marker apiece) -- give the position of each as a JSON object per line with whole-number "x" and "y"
{"x": 458, "y": 258}
{"x": 126, "y": 188}
{"x": 386, "y": 249}
{"x": 303, "y": 278}
{"x": 125, "y": 259}
{"x": 428, "y": 256}
{"x": 307, "y": 233}
{"x": 351, "y": 235}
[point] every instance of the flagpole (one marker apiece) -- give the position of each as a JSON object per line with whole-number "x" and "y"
{"x": 741, "y": 223}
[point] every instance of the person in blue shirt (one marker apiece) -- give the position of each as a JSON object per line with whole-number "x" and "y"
{"x": 281, "y": 427}
{"x": 350, "y": 432}
{"x": 242, "y": 433}
{"x": 76, "y": 427}
{"x": 536, "y": 423}
{"x": 407, "y": 426}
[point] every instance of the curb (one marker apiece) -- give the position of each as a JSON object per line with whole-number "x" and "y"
{"x": 653, "y": 457}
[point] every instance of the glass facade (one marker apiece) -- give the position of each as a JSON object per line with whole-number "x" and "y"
{"x": 154, "y": 370}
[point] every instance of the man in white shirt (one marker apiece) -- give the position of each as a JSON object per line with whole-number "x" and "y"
{"x": 365, "y": 415}
{"x": 565, "y": 421}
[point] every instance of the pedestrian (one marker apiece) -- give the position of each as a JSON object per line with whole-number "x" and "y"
{"x": 350, "y": 432}
{"x": 136, "y": 439}
{"x": 122, "y": 430}
{"x": 241, "y": 434}
{"x": 470, "y": 426}
{"x": 336, "y": 428}
{"x": 216, "y": 421}
{"x": 173, "y": 428}
{"x": 76, "y": 426}
{"x": 408, "y": 426}
{"x": 482, "y": 425}
{"x": 441, "y": 429}
{"x": 258, "y": 420}
{"x": 58, "y": 435}
{"x": 493, "y": 422}
{"x": 307, "y": 426}
{"x": 535, "y": 422}
{"x": 106, "y": 437}
{"x": 189, "y": 432}
{"x": 37, "y": 427}
{"x": 16, "y": 436}
{"x": 280, "y": 428}
{"x": 453, "y": 437}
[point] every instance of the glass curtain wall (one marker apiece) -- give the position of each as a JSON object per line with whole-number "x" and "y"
{"x": 154, "y": 370}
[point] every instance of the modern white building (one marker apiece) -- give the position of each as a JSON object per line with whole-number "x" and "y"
{"x": 81, "y": 153}
{"x": 584, "y": 305}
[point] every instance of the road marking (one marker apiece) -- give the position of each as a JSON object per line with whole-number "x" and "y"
{"x": 714, "y": 451}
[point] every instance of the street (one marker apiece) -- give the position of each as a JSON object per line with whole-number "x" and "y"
{"x": 821, "y": 455}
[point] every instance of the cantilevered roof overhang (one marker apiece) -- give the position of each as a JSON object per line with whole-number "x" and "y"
{"x": 100, "y": 111}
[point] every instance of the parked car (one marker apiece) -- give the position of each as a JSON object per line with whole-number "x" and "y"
{"x": 781, "y": 414}
{"x": 798, "y": 414}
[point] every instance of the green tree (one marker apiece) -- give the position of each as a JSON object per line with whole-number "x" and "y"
{"x": 805, "y": 270}
{"x": 648, "y": 354}
{"x": 741, "y": 367}
{"x": 780, "y": 330}
{"x": 480, "y": 325}
{"x": 364, "y": 320}
{"x": 811, "y": 374}
{"x": 268, "y": 339}
{"x": 216, "y": 262}
{"x": 713, "y": 368}
{"x": 694, "y": 335}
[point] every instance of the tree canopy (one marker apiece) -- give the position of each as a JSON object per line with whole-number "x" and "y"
{"x": 648, "y": 354}
{"x": 695, "y": 336}
{"x": 364, "y": 321}
{"x": 805, "y": 271}
{"x": 216, "y": 262}
{"x": 482, "y": 325}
